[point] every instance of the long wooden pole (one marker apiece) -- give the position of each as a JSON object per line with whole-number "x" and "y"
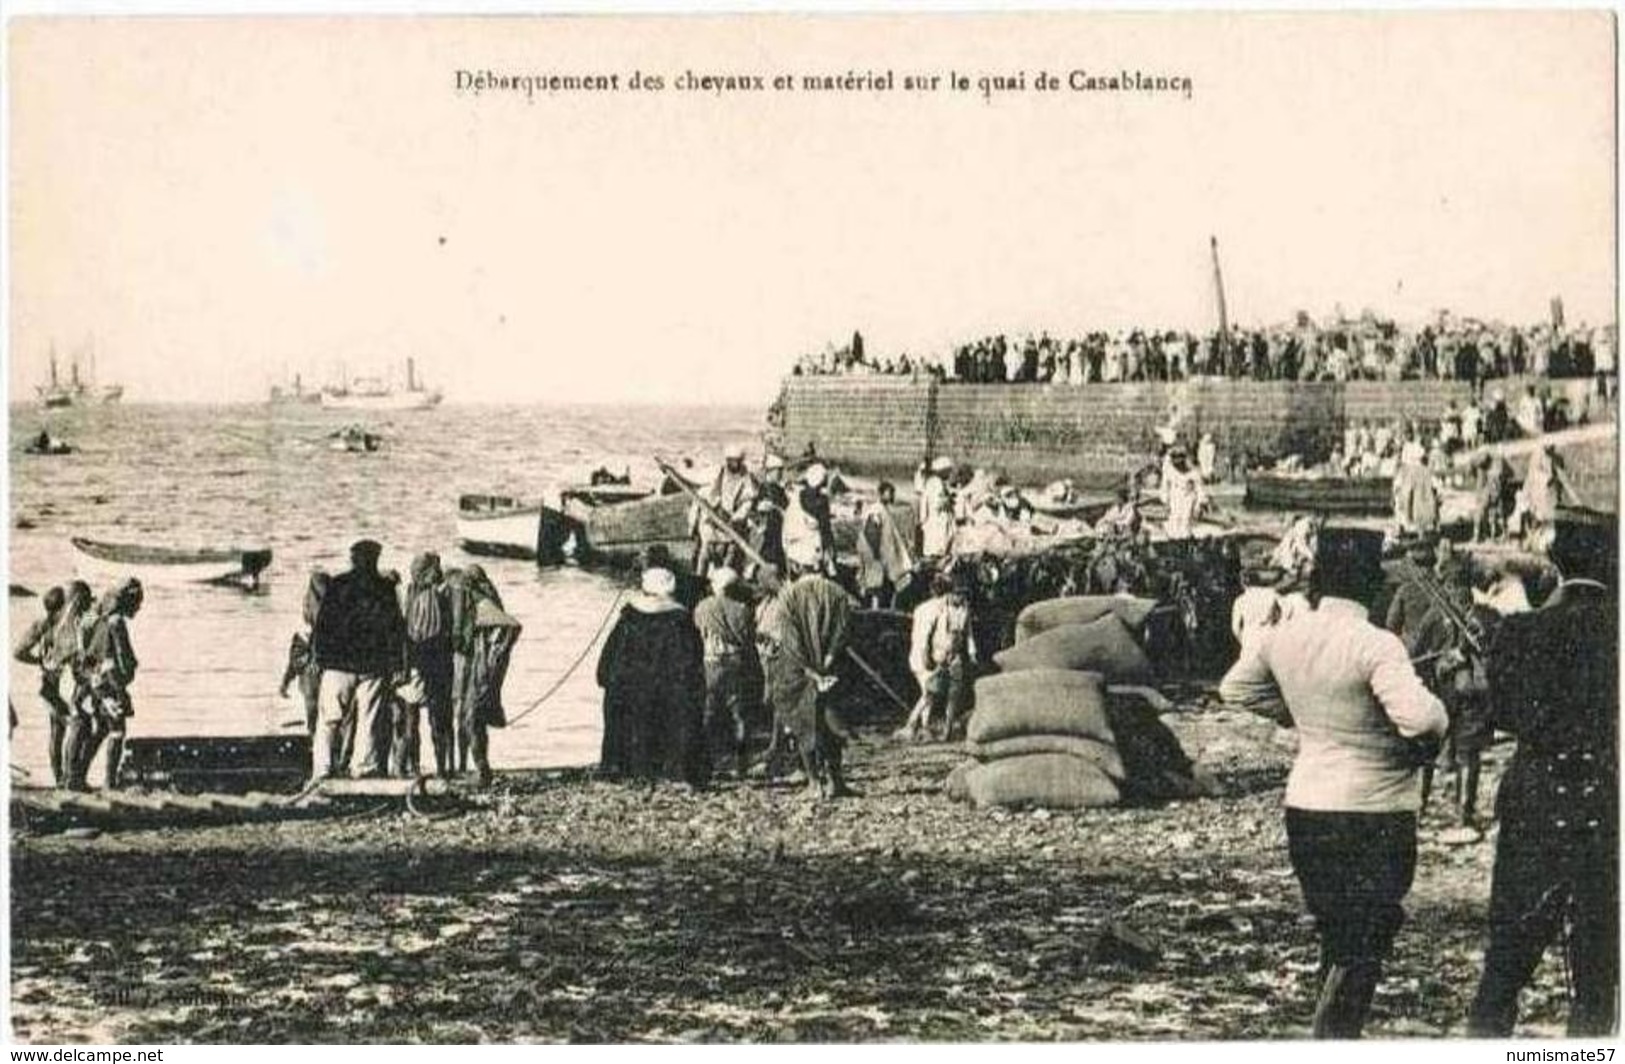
{"x": 1218, "y": 288}
{"x": 713, "y": 515}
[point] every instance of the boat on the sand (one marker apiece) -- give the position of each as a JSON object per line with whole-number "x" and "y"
{"x": 1323, "y": 492}
{"x": 223, "y": 566}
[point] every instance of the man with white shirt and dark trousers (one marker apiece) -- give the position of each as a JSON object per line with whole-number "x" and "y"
{"x": 1366, "y": 725}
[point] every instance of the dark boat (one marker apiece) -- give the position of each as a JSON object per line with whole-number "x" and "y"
{"x": 1320, "y": 492}
{"x": 233, "y": 566}
{"x": 616, "y": 525}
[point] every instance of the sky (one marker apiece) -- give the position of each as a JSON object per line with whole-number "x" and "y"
{"x": 214, "y": 204}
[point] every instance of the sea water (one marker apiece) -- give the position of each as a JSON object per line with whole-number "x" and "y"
{"x": 258, "y": 475}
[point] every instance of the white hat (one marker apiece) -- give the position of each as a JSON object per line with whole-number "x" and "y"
{"x": 662, "y": 582}
{"x": 815, "y": 475}
{"x": 772, "y": 461}
{"x": 734, "y": 452}
{"x": 942, "y": 465}
{"x": 722, "y": 578}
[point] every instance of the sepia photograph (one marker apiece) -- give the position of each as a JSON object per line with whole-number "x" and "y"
{"x": 768, "y": 527}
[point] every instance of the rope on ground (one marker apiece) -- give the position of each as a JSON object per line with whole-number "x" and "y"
{"x": 603, "y": 626}
{"x": 420, "y": 788}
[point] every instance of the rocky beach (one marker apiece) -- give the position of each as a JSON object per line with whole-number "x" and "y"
{"x": 557, "y": 908}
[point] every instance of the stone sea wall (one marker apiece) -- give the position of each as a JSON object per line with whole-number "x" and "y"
{"x": 1094, "y": 433}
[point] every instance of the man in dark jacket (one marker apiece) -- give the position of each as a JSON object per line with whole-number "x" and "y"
{"x": 1552, "y": 683}
{"x": 359, "y": 641}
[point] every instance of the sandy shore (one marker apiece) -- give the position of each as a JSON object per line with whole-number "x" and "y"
{"x": 556, "y": 908}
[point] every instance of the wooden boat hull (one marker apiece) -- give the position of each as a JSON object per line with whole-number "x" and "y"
{"x": 498, "y": 526}
{"x": 238, "y": 567}
{"x": 1344, "y": 495}
{"x": 620, "y": 533}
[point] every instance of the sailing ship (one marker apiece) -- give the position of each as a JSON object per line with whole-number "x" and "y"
{"x": 77, "y": 390}
{"x": 375, "y": 393}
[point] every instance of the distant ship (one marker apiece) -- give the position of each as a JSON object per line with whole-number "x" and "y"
{"x": 295, "y": 395}
{"x": 77, "y": 390}
{"x": 374, "y": 393}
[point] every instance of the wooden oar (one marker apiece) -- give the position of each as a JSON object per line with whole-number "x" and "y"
{"x": 726, "y": 527}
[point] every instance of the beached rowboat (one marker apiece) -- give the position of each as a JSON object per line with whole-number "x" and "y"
{"x": 235, "y": 566}
{"x": 1327, "y": 494}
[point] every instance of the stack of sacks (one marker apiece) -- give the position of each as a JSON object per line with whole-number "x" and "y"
{"x": 1045, "y": 732}
{"x": 1040, "y": 617}
{"x": 1104, "y": 645}
{"x": 1040, "y": 737}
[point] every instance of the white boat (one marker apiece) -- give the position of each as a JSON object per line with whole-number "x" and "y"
{"x": 230, "y": 566}
{"x": 498, "y": 526}
{"x": 375, "y": 393}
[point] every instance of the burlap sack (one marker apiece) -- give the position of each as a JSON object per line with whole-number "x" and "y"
{"x": 1104, "y": 645}
{"x": 956, "y": 786}
{"x": 1103, "y": 756}
{"x": 1081, "y": 609}
{"x": 1156, "y": 764}
{"x": 1040, "y": 702}
{"x": 1050, "y": 781}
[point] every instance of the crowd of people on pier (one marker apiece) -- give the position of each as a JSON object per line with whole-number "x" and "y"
{"x": 851, "y": 359}
{"x": 1367, "y": 349}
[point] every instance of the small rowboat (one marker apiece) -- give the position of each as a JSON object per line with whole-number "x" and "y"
{"x": 1328, "y": 494}
{"x": 230, "y": 566}
{"x": 498, "y": 526}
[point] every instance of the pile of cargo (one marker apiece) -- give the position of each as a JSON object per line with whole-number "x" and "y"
{"x": 1061, "y": 726}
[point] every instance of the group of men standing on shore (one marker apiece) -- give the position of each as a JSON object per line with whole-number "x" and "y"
{"x": 683, "y": 687}
{"x": 374, "y": 661}
{"x": 86, "y": 642}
